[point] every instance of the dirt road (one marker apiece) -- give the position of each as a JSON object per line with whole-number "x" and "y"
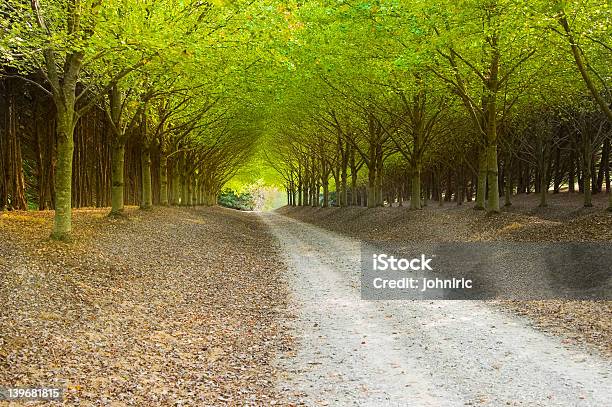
{"x": 431, "y": 353}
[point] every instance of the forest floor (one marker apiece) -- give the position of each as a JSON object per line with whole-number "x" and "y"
{"x": 168, "y": 307}
{"x": 564, "y": 220}
{"x": 210, "y": 306}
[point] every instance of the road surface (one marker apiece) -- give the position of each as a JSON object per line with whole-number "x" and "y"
{"x": 417, "y": 353}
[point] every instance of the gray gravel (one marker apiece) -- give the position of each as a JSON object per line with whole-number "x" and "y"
{"x": 417, "y": 353}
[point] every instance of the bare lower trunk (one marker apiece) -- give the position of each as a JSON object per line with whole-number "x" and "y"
{"x": 354, "y": 192}
{"x": 586, "y": 173}
{"x": 176, "y": 185}
{"x": 371, "y": 199}
{"x": 184, "y": 191}
{"x": 200, "y": 192}
{"x": 460, "y": 188}
{"x": 572, "y": 171}
{"x": 325, "y": 194}
{"x": 343, "y": 188}
{"x": 492, "y": 179}
{"x": 65, "y": 100}
{"x": 543, "y": 190}
{"x": 400, "y": 195}
{"x": 147, "y": 196}
{"x": 315, "y": 195}
{"x": 12, "y": 181}
{"x": 508, "y": 189}
{"x": 62, "y": 222}
{"x": 481, "y": 188}
{"x": 163, "y": 180}
{"x": 117, "y": 174}
{"x": 415, "y": 190}
{"x": 379, "y": 176}
{"x": 190, "y": 192}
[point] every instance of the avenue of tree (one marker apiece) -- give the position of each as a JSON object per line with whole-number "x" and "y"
{"x": 446, "y": 100}
{"x": 351, "y": 102}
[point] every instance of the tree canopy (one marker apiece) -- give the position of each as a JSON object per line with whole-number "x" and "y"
{"x": 373, "y": 101}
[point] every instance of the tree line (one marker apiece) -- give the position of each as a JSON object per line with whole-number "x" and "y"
{"x": 108, "y": 104}
{"x": 463, "y": 100}
{"x": 351, "y": 102}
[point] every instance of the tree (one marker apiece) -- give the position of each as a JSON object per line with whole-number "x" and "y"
{"x": 70, "y": 37}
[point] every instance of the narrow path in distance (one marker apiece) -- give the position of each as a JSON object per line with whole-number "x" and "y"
{"x": 426, "y": 353}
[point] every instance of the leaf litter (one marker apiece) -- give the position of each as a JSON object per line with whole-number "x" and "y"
{"x": 174, "y": 306}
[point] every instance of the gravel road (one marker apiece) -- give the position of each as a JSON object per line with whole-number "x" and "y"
{"x": 423, "y": 353}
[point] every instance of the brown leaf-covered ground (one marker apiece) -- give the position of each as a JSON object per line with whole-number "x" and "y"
{"x": 166, "y": 307}
{"x": 581, "y": 322}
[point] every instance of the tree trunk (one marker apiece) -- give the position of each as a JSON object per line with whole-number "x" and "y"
{"x": 415, "y": 190}
{"x": 481, "y": 188}
{"x": 543, "y": 189}
{"x": 300, "y": 200}
{"x": 201, "y": 192}
{"x": 354, "y": 174}
{"x": 492, "y": 181}
{"x": 325, "y": 193}
{"x": 184, "y": 190}
{"x": 593, "y": 177}
{"x": 508, "y": 187}
{"x": 371, "y": 199}
{"x": 460, "y": 187}
{"x": 343, "y": 184}
{"x": 586, "y": 171}
{"x": 190, "y": 191}
{"x": 379, "y": 176}
{"x": 12, "y": 182}
{"x": 117, "y": 177}
{"x": 176, "y": 184}
{"x": 147, "y": 196}
{"x": 335, "y": 174}
{"x": 62, "y": 222}
{"x": 163, "y": 179}
{"x": 557, "y": 182}
{"x": 572, "y": 171}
